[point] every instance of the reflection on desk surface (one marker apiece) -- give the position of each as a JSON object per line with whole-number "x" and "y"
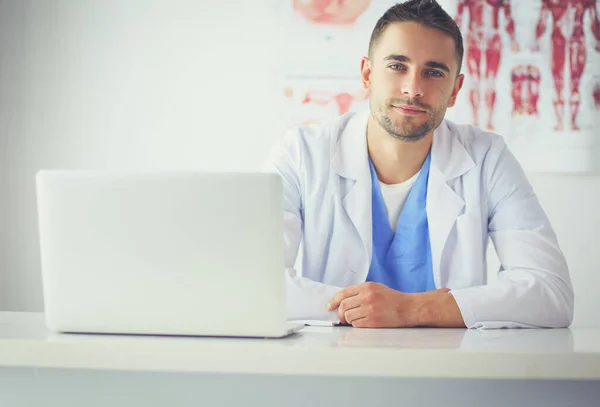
{"x": 517, "y": 340}
{"x": 30, "y": 326}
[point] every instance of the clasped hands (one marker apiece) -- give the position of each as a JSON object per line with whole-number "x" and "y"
{"x": 374, "y": 305}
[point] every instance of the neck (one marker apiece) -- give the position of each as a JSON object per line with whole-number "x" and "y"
{"x": 395, "y": 161}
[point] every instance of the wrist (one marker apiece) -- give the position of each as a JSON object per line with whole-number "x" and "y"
{"x": 437, "y": 308}
{"x": 423, "y": 309}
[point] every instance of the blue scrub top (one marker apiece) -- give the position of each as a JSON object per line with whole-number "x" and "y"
{"x": 402, "y": 260}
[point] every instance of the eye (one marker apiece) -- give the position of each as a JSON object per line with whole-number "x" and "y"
{"x": 435, "y": 73}
{"x": 397, "y": 67}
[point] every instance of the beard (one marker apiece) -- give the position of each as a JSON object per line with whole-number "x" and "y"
{"x": 410, "y": 130}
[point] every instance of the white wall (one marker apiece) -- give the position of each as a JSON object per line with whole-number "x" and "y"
{"x": 124, "y": 84}
{"x": 572, "y": 203}
{"x": 170, "y": 84}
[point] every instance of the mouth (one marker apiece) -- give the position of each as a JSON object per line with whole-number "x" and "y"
{"x": 409, "y": 110}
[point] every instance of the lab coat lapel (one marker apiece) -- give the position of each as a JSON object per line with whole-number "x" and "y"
{"x": 449, "y": 160}
{"x": 350, "y": 162}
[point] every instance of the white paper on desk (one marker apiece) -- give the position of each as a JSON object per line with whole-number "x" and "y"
{"x": 314, "y": 322}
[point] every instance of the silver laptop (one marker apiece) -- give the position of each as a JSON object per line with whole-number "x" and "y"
{"x": 163, "y": 253}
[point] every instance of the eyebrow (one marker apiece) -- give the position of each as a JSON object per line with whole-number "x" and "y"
{"x": 429, "y": 64}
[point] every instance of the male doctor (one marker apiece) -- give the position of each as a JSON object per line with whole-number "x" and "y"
{"x": 391, "y": 209}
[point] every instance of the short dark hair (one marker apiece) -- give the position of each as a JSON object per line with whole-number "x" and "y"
{"x": 425, "y": 12}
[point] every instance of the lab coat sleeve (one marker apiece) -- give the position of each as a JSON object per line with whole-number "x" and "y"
{"x": 305, "y": 299}
{"x": 534, "y": 287}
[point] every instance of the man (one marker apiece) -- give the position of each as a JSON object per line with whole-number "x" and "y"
{"x": 394, "y": 206}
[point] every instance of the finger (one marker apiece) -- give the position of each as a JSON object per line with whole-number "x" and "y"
{"x": 341, "y": 295}
{"x": 355, "y": 314}
{"x": 347, "y": 304}
{"x": 360, "y": 323}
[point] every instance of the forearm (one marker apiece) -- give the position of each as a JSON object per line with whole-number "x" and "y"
{"x": 522, "y": 299}
{"x": 437, "y": 309}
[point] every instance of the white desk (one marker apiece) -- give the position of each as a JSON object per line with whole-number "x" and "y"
{"x": 394, "y": 365}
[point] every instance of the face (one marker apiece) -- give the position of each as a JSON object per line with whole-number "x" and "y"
{"x": 411, "y": 78}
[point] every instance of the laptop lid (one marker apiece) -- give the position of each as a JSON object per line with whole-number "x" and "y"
{"x": 162, "y": 253}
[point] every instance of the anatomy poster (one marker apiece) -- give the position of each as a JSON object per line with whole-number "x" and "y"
{"x": 309, "y": 101}
{"x": 532, "y": 70}
{"x": 531, "y": 67}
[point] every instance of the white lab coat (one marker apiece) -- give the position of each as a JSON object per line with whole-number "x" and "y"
{"x": 476, "y": 190}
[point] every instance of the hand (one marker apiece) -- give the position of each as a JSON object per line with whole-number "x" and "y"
{"x": 374, "y": 305}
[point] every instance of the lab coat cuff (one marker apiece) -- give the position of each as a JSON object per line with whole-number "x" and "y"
{"x": 462, "y": 300}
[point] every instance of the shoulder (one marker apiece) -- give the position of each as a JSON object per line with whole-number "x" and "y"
{"x": 496, "y": 165}
{"x": 483, "y": 146}
{"x": 499, "y": 171}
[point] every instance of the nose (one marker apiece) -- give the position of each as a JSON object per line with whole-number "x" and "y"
{"x": 412, "y": 85}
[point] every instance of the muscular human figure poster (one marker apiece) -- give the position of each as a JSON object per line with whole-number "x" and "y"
{"x": 531, "y": 69}
{"x": 484, "y": 50}
{"x": 565, "y": 21}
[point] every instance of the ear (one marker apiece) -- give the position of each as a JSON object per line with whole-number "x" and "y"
{"x": 365, "y": 73}
{"x": 458, "y": 82}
